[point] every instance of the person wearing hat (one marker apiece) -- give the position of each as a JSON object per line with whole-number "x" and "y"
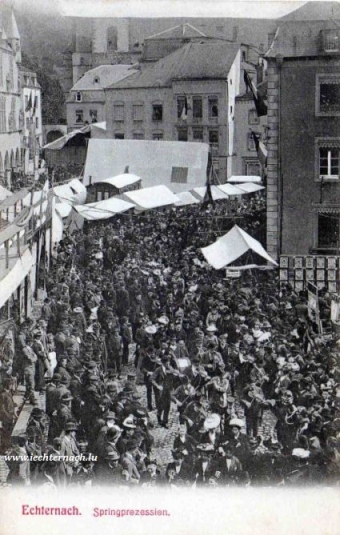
{"x": 129, "y": 460}
{"x": 30, "y": 366}
{"x": 8, "y": 412}
{"x": 62, "y": 415}
{"x": 164, "y": 378}
{"x": 20, "y": 468}
{"x": 148, "y": 367}
{"x": 126, "y": 333}
{"x": 69, "y": 447}
{"x": 109, "y": 471}
{"x": 237, "y": 441}
{"x": 229, "y": 469}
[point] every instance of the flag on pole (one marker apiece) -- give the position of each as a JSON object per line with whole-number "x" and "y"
{"x": 184, "y": 114}
{"x": 260, "y": 105}
{"x": 261, "y": 149}
{"x": 35, "y": 105}
{"x": 29, "y": 103}
{"x": 208, "y": 198}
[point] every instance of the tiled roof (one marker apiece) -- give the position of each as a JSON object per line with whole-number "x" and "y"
{"x": 105, "y": 74}
{"x": 207, "y": 60}
{"x": 314, "y": 11}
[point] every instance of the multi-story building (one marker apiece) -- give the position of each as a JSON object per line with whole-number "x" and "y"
{"x": 86, "y": 101}
{"x": 247, "y": 121}
{"x": 303, "y": 175}
{"x": 32, "y": 130}
{"x": 189, "y": 95}
{"x": 11, "y": 120}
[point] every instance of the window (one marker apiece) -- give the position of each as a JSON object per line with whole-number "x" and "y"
{"x": 94, "y": 116}
{"x": 96, "y": 80}
{"x": 328, "y": 95}
{"x": 182, "y": 134}
{"x": 27, "y": 122}
{"x": 112, "y": 38}
{"x": 36, "y": 122}
{"x": 330, "y": 40}
{"x": 329, "y": 162}
{"x": 244, "y": 55}
{"x": 213, "y": 142}
{"x": 157, "y": 112}
{"x": 3, "y": 114}
{"x": 197, "y": 109}
{"x": 213, "y": 107}
{"x": 138, "y": 135}
{"x": 79, "y": 96}
{"x": 157, "y": 136}
{"x": 138, "y": 112}
{"x": 252, "y": 168}
{"x": 1, "y": 71}
{"x": 251, "y": 143}
{"x": 79, "y": 116}
{"x": 119, "y": 136}
{"x": 118, "y": 112}
{"x": 253, "y": 117}
{"x": 180, "y": 106}
{"x": 328, "y": 231}
{"x": 197, "y": 134}
{"x": 179, "y": 175}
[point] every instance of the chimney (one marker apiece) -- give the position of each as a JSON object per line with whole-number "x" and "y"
{"x": 235, "y": 34}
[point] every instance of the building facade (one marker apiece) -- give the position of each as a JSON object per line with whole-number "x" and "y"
{"x": 32, "y": 131}
{"x": 86, "y": 101}
{"x": 247, "y": 121}
{"x": 187, "y": 96}
{"x": 11, "y": 118}
{"x": 303, "y": 179}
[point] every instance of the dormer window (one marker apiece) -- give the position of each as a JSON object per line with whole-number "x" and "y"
{"x": 79, "y": 96}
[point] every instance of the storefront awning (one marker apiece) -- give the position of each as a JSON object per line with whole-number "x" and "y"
{"x": 154, "y": 197}
{"x": 20, "y": 270}
{"x": 244, "y": 178}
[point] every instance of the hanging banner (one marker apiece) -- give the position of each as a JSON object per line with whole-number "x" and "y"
{"x": 313, "y": 305}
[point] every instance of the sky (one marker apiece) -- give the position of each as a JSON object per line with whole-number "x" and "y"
{"x": 164, "y": 8}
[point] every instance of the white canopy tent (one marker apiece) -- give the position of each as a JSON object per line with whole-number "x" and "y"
{"x": 4, "y": 193}
{"x": 74, "y": 192}
{"x": 229, "y": 189}
{"x": 154, "y": 197}
{"x": 250, "y": 187}
{"x": 231, "y": 246}
{"x": 121, "y": 181}
{"x": 103, "y": 209}
{"x": 216, "y": 193}
{"x": 244, "y": 178}
{"x": 186, "y": 198}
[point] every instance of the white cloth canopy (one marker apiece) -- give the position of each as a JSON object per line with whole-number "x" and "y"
{"x": 103, "y": 209}
{"x": 216, "y": 193}
{"x": 250, "y": 187}
{"x": 121, "y": 181}
{"x": 74, "y": 192}
{"x": 13, "y": 279}
{"x": 4, "y": 193}
{"x": 231, "y": 246}
{"x": 229, "y": 189}
{"x": 63, "y": 209}
{"x": 154, "y": 197}
{"x": 186, "y": 198}
{"x": 244, "y": 178}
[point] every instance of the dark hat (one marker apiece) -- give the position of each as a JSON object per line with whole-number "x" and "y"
{"x": 37, "y": 413}
{"x": 66, "y": 397}
{"x": 110, "y": 415}
{"x": 64, "y": 381}
{"x": 112, "y": 456}
{"x": 113, "y": 432}
{"x": 71, "y": 426}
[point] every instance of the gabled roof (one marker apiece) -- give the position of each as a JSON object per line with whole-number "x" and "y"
{"x": 314, "y": 11}
{"x": 206, "y": 60}
{"x": 105, "y": 74}
{"x": 185, "y": 30}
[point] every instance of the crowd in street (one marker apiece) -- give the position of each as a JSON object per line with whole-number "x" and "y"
{"x": 147, "y": 336}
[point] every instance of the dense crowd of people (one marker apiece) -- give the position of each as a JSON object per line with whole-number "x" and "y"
{"x": 147, "y": 336}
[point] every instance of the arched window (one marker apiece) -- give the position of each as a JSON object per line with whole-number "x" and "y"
{"x": 1, "y": 166}
{"x": 112, "y": 38}
{"x": 17, "y": 158}
{"x": 7, "y": 161}
{"x": 79, "y": 96}
{"x": 12, "y": 160}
